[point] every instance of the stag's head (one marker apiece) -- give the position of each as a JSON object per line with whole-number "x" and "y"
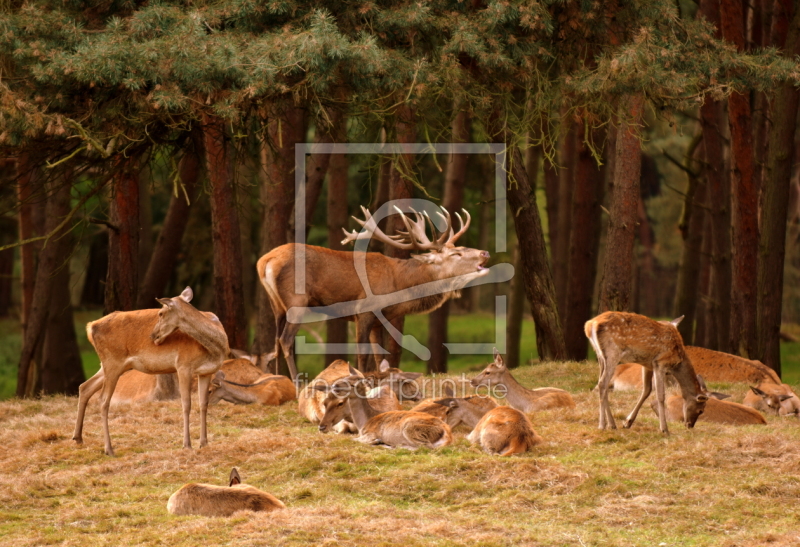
{"x": 172, "y": 312}
{"x": 493, "y": 374}
{"x": 442, "y": 252}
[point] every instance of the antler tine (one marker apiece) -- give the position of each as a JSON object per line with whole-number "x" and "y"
{"x": 416, "y": 231}
{"x": 445, "y": 236}
{"x": 371, "y": 230}
{"x": 464, "y": 227}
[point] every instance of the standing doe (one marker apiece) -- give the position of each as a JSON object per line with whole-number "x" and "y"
{"x": 176, "y": 338}
{"x": 628, "y": 337}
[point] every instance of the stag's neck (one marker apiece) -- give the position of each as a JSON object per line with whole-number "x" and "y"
{"x": 361, "y": 411}
{"x": 208, "y": 334}
{"x": 687, "y": 379}
{"x": 518, "y": 397}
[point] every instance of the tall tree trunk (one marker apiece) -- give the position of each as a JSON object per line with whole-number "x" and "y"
{"x": 704, "y": 332}
{"x": 316, "y": 170}
{"x": 516, "y": 313}
{"x": 455, "y": 175}
{"x": 745, "y": 199}
{"x": 337, "y": 218}
{"x": 122, "y": 279}
{"x": 692, "y": 224}
{"x": 399, "y": 188}
{"x": 168, "y": 244}
{"x": 583, "y": 249}
{"x": 484, "y": 232}
{"x": 551, "y": 180}
{"x": 615, "y": 292}
{"x": 50, "y": 259}
{"x": 647, "y": 267}
{"x": 566, "y": 183}
{"x": 7, "y": 236}
{"x": 225, "y": 235}
{"x": 774, "y": 215}
{"x": 285, "y": 127}
{"x": 145, "y": 222}
{"x": 25, "y": 175}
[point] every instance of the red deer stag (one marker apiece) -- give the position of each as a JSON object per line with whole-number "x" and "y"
{"x": 628, "y": 337}
{"x": 177, "y": 338}
{"x": 334, "y": 279}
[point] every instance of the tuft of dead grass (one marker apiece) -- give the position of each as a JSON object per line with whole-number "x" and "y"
{"x": 713, "y": 485}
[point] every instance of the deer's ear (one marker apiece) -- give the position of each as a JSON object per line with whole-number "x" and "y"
{"x": 675, "y": 322}
{"x": 702, "y": 383}
{"x": 234, "y": 478}
{"x": 407, "y": 375}
{"x": 701, "y": 398}
{"x": 164, "y": 301}
{"x": 785, "y": 397}
{"x": 353, "y": 372}
{"x": 384, "y": 366}
{"x": 497, "y": 357}
{"x": 447, "y": 390}
{"x": 187, "y": 294}
{"x": 757, "y": 391}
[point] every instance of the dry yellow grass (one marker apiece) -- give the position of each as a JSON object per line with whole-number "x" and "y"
{"x": 714, "y": 485}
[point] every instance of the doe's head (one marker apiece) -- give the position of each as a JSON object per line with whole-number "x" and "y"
{"x": 493, "y": 374}
{"x": 173, "y": 311}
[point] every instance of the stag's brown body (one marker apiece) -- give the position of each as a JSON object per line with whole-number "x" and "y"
{"x": 332, "y": 277}
{"x": 504, "y": 431}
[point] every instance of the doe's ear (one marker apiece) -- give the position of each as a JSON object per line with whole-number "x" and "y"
{"x": 353, "y": 372}
{"x": 187, "y": 294}
{"x": 164, "y": 301}
{"x": 785, "y": 397}
{"x": 757, "y": 391}
{"x": 497, "y": 357}
{"x": 675, "y": 322}
{"x": 384, "y": 366}
{"x": 701, "y": 398}
{"x": 234, "y": 478}
{"x": 702, "y": 383}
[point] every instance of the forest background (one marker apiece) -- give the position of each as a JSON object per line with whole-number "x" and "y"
{"x": 147, "y": 146}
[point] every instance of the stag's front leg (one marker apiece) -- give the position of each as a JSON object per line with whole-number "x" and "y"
{"x": 202, "y": 396}
{"x": 647, "y": 387}
{"x": 661, "y": 381}
{"x": 185, "y": 386}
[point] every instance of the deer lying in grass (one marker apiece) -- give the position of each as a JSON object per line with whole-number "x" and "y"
{"x": 716, "y": 366}
{"x": 467, "y": 410}
{"x": 628, "y": 377}
{"x": 402, "y": 383}
{"x": 395, "y": 429}
{"x": 337, "y": 411}
{"x": 221, "y": 501}
{"x": 139, "y": 387}
{"x": 267, "y": 389}
{"x": 504, "y": 431}
{"x": 311, "y": 401}
{"x": 521, "y": 398}
{"x": 629, "y": 337}
{"x": 716, "y": 411}
{"x": 176, "y": 338}
{"x": 774, "y": 399}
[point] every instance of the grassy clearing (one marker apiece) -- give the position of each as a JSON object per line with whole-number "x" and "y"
{"x": 714, "y": 485}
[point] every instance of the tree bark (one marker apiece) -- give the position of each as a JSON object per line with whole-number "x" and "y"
{"x": 337, "y": 218}
{"x": 168, "y": 244}
{"x": 225, "y": 234}
{"x": 122, "y": 278}
{"x": 692, "y": 223}
{"x": 7, "y": 232}
{"x": 146, "y": 243}
{"x": 704, "y": 332}
{"x": 550, "y": 174}
{"x": 516, "y": 312}
{"x": 25, "y": 175}
{"x": 317, "y": 169}
{"x": 583, "y": 250}
{"x": 455, "y": 175}
{"x": 566, "y": 191}
{"x": 745, "y": 199}
{"x": 775, "y": 212}
{"x": 615, "y": 292}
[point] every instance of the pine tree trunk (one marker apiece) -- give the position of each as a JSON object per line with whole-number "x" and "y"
{"x": 225, "y": 234}
{"x": 122, "y": 279}
{"x": 168, "y": 244}
{"x": 566, "y": 191}
{"x": 550, "y": 174}
{"x": 473, "y": 294}
{"x": 285, "y": 128}
{"x": 399, "y": 188}
{"x": 703, "y": 331}
{"x": 25, "y": 175}
{"x": 146, "y": 243}
{"x": 775, "y": 212}
{"x": 455, "y": 175}
{"x": 692, "y": 224}
{"x": 615, "y": 292}
{"x": 337, "y": 218}
{"x": 745, "y": 199}
{"x": 583, "y": 250}
{"x": 7, "y": 236}
{"x": 317, "y": 168}
{"x": 93, "y": 293}
{"x": 516, "y": 313}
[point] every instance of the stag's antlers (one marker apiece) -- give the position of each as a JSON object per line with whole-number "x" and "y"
{"x": 414, "y": 238}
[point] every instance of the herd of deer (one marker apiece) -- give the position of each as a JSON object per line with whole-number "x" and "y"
{"x": 138, "y": 350}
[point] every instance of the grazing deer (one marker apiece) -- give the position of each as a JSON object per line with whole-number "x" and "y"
{"x": 333, "y": 278}
{"x": 176, "y": 338}
{"x": 455, "y": 411}
{"x": 395, "y": 429}
{"x": 337, "y": 411}
{"x": 774, "y": 399}
{"x": 221, "y": 501}
{"x": 521, "y": 398}
{"x": 716, "y": 411}
{"x": 267, "y": 389}
{"x": 504, "y": 431}
{"x": 629, "y": 337}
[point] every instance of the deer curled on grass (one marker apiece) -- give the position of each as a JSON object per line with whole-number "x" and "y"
{"x": 221, "y": 501}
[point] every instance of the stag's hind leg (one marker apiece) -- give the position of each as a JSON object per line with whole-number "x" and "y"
{"x": 647, "y": 386}
{"x": 85, "y": 392}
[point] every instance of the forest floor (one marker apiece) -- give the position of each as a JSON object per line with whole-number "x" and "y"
{"x": 713, "y": 485}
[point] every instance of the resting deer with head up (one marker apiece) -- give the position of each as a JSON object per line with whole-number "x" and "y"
{"x": 394, "y": 429}
{"x": 774, "y": 399}
{"x": 657, "y": 345}
{"x": 332, "y": 278}
{"x": 176, "y": 338}
{"x": 455, "y": 411}
{"x": 519, "y": 397}
{"x": 221, "y": 501}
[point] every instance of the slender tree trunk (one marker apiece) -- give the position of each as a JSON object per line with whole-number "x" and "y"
{"x": 286, "y": 128}
{"x": 93, "y": 293}
{"x": 745, "y": 199}
{"x": 583, "y": 250}
{"x": 516, "y": 313}
{"x": 168, "y": 244}
{"x": 145, "y": 223}
{"x": 647, "y": 267}
{"x": 692, "y": 224}
{"x": 337, "y": 218}
{"x": 484, "y": 221}
{"x": 8, "y": 231}
{"x": 566, "y": 190}
{"x": 703, "y": 331}
{"x": 122, "y": 279}
{"x": 455, "y": 175}
{"x": 25, "y": 176}
{"x": 316, "y": 170}
{"x": 225, "y": 235}
{"x": 774, "y": 215}
{"x": 615, "y": 293}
